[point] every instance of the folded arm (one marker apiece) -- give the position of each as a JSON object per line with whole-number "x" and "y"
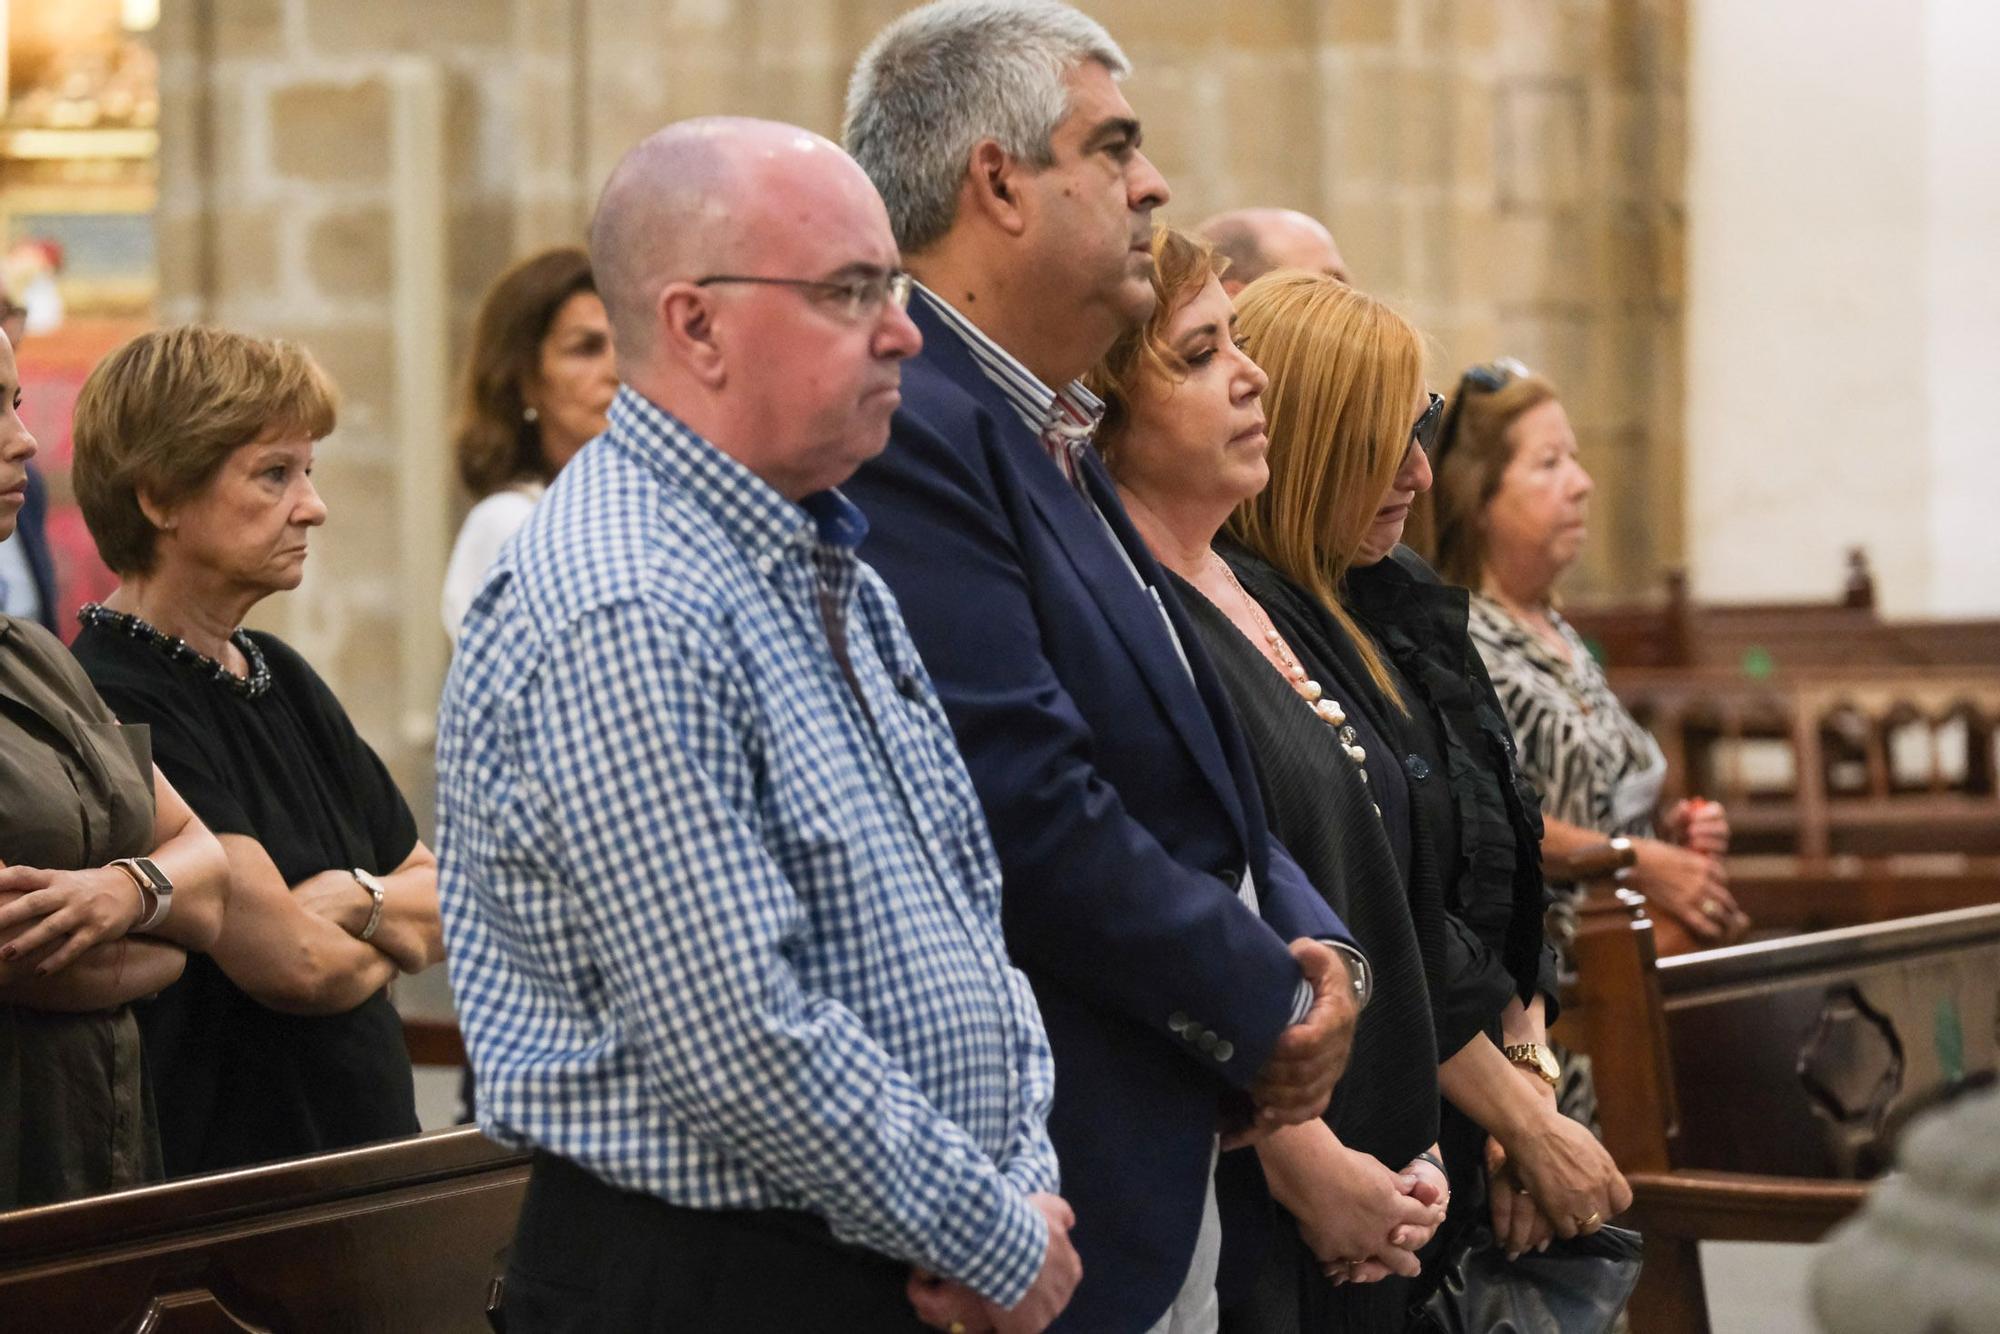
{"x": 103, "y": 978}
{"x": 283, "y": 955}
{"x": 409, "y": 932}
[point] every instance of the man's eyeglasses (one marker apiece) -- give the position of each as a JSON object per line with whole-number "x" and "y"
{"x": 858, "y": 298}
{"x": 1486, "y": 378}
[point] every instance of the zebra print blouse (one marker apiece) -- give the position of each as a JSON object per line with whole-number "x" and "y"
{"x": 1594, "y": 764}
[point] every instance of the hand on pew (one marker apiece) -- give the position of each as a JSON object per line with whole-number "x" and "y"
{"x": 1691, "y": 888}
{"x": 1699, "y": 825}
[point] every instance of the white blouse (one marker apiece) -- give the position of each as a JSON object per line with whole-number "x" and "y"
{"x": 487, "y": 528}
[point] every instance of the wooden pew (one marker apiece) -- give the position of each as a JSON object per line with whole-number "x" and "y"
{"x": 402, "y": 1236}
{"x": 1747, "y": 1091}
{"x": 1674, "y": 631}
{"x": 1838, "y": 726}
{"x": 1788, "y": 896}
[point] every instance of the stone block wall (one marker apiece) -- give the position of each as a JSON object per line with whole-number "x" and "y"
{"x": 1509, "y": 172}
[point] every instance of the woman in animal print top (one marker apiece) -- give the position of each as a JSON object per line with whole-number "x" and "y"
{"x": 1512, "y": 501}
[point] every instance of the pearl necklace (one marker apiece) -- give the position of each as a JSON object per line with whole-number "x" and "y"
{"x": 179, "y": 650}
{"x": 1324, "y": 707}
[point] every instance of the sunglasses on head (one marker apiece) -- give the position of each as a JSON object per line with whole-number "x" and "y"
{"x": 1489, "y": 377}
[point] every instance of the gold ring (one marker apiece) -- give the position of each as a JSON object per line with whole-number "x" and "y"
{"x": 1712, "y": 909}
{"x": 955, "y": 1327}
{"x": 1591, "y": 1223}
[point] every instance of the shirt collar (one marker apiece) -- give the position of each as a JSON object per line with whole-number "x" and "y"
{"x": 1073, "y": 407}
{"x": 749, "y": 509}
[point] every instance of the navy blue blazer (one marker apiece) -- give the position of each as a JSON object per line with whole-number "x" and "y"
{"x": 31, "y": 527}
{"x": 1125, "y": 809}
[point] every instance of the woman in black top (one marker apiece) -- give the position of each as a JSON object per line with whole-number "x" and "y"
{"x": 194, "y": 450}
{"x": 1319, "y": 546}
{"x": 1183, "y": 437}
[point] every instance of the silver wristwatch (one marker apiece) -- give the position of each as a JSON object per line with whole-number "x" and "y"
{"x": 1358, "y": 972}
{"x": 373, "y": 884}
{"x": 156, "y": 891}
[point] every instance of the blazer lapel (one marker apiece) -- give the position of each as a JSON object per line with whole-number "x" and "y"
{"x": 1137, "y": 616}
{"x": 1134, "y": 613}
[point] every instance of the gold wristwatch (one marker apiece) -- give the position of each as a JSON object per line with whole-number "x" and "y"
{"x": 1537, "y": 1058}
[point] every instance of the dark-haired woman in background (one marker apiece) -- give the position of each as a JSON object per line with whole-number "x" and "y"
{"x": 540, "y": 382}
{"x": 106, "y": 879}
{"x": 194, "y": 455}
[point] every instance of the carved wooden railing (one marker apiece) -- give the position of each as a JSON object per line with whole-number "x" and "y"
{"x": 1828, "y": 718}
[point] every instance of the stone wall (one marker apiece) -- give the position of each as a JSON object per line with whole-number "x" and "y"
{"x": 1508, "y": 171}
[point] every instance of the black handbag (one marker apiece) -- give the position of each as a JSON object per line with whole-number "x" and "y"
{"x": 1577, "y": 1286}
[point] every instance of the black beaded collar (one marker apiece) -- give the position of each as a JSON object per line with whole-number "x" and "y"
{"x": 180, "y": 651}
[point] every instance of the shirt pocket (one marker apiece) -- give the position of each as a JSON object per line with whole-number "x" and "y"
{"x": 118, "y": 759}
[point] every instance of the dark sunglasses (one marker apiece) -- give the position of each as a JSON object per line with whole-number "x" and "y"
{"x": 1486, "y": 378}
{"x": 1425, "y": 433}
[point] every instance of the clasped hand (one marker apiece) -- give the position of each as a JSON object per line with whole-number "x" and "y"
{"x": 1376, "y": 1220}
{"x": 1308, "y": 1058}
{"x": 77, "y": 910}
{"x": 944, "y": 1304}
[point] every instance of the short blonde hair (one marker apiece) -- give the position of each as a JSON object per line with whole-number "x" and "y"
{"x": 160, "y": 415}
{"x": 1182, "y": 266}
{"x": 1344, "y": 369}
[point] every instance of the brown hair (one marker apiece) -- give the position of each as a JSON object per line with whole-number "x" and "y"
{"x": 1473, "y": 454}
{"x": 161, "y": 414}
{"x": 1182, "y": 266}
{"x": 1344, "y": 369}
{"x": 494, "y": 443}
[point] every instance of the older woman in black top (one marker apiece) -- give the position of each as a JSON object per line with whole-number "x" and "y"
{"x": 1183, "y": 436}
{"x": 106, "y": 879}
{"x": 194, "y": 453}
{"x": 1319, "y": 547}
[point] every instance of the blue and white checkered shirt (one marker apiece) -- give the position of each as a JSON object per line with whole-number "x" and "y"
{"x": 718, "y": 932}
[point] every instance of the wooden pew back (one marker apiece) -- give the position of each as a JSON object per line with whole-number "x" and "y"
{"x": 404, "y": 1236}
{"x": 1846, "y": 795}
{"x": 1743, "y": 1089}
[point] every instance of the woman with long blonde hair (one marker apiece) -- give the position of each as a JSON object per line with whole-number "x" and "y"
{"x": 1320, "y": 547}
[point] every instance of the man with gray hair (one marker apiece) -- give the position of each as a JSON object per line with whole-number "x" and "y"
{"x": 723, "y": 913}
{"x": 1257, "y": 241}
{"x": 1182, "y": 961}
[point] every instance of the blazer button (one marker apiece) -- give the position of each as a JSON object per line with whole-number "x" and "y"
{"x": 1231, "y": 877}
{"x": 1206, "y": 1041}
{"x": 1178, "y": 1022}
{"x": 1224, "y": 1050}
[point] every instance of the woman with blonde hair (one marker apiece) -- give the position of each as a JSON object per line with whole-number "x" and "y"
{"x": 1350, "y": 421}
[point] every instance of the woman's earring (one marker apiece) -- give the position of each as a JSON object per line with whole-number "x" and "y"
{"x": 528, "y": 414}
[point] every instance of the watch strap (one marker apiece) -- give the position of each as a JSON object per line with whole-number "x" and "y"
{"x": 154, "y": 903}
{"x": 377, "y": 891}
{"x": 1358, "y": 971}
{"x": 1536, "y": 1057}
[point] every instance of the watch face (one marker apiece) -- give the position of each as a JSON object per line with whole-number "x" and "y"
{"x": 156, "y": 879}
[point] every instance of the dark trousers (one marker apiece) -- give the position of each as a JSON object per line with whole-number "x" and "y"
{"x": 590, "y": 1257}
